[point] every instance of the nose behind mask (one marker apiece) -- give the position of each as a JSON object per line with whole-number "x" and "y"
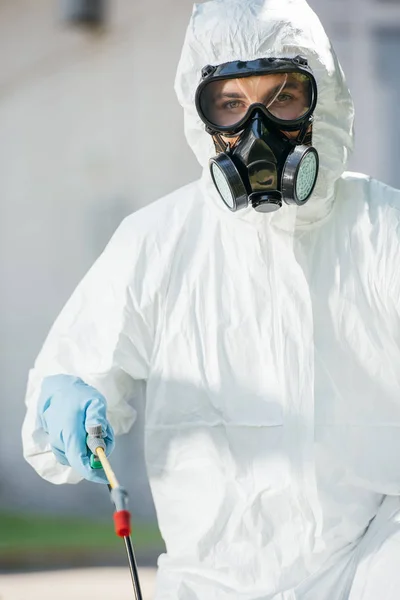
{"x": 264, "y": 168}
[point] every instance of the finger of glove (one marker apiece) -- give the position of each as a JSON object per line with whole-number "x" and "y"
{"x": 77, "y": 452}
{"x": 83, "y": 468}
{"x": 55, "y": 408}
{"x": 80, "y": 462}
{"x": 60, "y": 455}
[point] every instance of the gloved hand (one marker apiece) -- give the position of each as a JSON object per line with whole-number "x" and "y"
{"x": 67, "y": 406}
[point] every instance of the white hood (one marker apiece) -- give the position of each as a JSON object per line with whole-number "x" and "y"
{"x": 225, "y": 30}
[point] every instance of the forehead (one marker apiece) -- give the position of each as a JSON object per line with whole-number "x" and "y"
{"x": 257, "y": 83}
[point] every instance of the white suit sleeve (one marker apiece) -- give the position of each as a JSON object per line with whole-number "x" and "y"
{"x": 104, "y": 336}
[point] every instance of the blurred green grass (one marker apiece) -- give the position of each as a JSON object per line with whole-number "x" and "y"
{"x": 41, "y": 541}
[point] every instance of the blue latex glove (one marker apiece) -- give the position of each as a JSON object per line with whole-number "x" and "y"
{"x": 67, "y": 406}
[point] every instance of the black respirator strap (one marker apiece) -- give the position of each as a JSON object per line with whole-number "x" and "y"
{"x": 304, "y": 131}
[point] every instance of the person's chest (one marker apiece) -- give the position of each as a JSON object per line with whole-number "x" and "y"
{"x": 288, "y": 334}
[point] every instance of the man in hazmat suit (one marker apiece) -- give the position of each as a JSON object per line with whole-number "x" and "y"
{"x": 259, "y": 309}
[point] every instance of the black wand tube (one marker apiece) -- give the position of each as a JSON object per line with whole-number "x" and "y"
{"x": 133, "y": 567}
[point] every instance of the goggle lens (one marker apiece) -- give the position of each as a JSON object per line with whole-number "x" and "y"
{"x": 287, "y": 96}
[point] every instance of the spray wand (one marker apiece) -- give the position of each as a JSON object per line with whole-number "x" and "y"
{"x": 119, "y": 497}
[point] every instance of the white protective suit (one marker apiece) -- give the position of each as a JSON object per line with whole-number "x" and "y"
{"x": 270, "y": 348}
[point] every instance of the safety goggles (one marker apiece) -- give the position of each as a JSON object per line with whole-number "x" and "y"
{"x": 284, "y": 89}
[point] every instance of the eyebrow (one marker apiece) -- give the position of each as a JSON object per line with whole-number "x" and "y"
{"x": 228, "y": 95}
{"x": 236, "y": 95}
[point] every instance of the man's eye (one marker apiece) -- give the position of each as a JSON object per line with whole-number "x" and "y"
{"x": 284, "y": 98}
{"x": 231, "y": 105}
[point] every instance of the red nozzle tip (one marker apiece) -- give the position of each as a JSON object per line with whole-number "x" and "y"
{"x": 122, "y": 522}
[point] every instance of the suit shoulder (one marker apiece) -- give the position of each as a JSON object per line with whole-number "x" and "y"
{"x": 365, "y": 193}
{"x": 170, "y": 211}
{"x": 151, "y": 235}
{"x": 384, "y": 195}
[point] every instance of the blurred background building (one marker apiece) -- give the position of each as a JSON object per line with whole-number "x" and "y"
{"x": 91, "y": 131}
{"x": 366, "y": 36}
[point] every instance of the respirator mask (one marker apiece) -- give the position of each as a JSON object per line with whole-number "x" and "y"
{"x": 260, "y": 116}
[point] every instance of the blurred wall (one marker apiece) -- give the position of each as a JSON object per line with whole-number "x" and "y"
{"x": 366, "y": 36}
{"x": 90, "y": 131}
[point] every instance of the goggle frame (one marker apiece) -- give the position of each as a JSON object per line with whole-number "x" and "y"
{"x": 261, "y": 66}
